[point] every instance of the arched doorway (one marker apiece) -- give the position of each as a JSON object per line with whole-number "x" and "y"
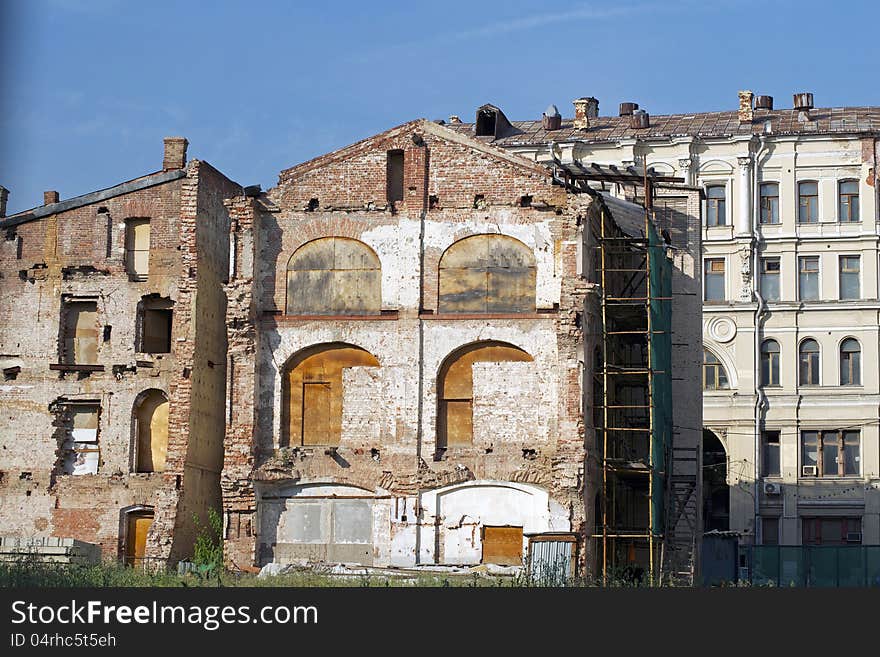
{"x": 716, "y": 492}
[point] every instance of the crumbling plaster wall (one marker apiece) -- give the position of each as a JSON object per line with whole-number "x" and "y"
{"x": 452, "y": 189}
{"x": 80, "y": 252}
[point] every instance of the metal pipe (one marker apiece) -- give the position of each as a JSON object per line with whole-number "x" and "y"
{"x": 760, "y": 310}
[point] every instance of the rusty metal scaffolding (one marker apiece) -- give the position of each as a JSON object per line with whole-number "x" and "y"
{"x": 633, "y": 410}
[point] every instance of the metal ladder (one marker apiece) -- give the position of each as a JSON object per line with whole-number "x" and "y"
{"x": 680, "y": 542}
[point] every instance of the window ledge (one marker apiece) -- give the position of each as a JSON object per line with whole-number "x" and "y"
{"x": 67, "y": 367}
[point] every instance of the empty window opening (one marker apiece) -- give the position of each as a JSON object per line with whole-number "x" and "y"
{"x": 479, "y": 201}
{"x": 487, "y": 274}
{"x": 155, "y": 322}
{"x": 80, "y": 333}
{"x": 137, "y": 248}
{"x": 394, "y": 173}
{"x": 455, "y": 421}
{"x": 78, "y": 424}
{"x": 151, "y": 431}
{"x": 312, "y": 205}
{"x": 137, "y": 527}
{"x": 313, "y": 393}
{"x": 433, "y": 202}
{"x": 525, "y": 201}
{"x": 485, "y": 123}
{"x": 334, "y": 276}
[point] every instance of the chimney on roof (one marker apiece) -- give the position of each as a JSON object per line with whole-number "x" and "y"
{"x": 50, "y": 197}
{"x": 454, "y": 119}
{"x": 640, "y": 119}
{"x": 175, "y": 153}
{"x": 627, "y": 109}
{"x": 803, "y": 103}
{"x": 585, "y": 109}
{"x": 745, "y": 107}
{"x": 764, "y": 102}
{"x": 551, "y": 119}
{"x": 4, "y": 196}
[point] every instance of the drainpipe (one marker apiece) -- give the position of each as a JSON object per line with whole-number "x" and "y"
{"x": 760, "y": 312}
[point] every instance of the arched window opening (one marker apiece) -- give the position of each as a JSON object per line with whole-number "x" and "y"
{"x": 850, "y": 363}
{"x": 455, "y": 424}
{"x": 334, "y": 276}
{"x": 313, "y": 393}
{"x": 151, "y": 422}
{"x": 714, "y": 376}
{"x": 809, "y": 363}
{"x": 487, "y": 274}
{"x": 770, "y": 363}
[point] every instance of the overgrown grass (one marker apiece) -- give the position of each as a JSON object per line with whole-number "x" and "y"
{"x": 28, "y": 571}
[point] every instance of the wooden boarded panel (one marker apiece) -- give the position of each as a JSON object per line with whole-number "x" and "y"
{"x": 81, "y": 333}
{"x": 136, "y": 537}
{"x": 456, "y": 389}
{"x": 459, "y": 421}
{"x": 323, "y": 366}
{"x": 316, "y": 421}
{"x": 334, "y": 276}
{"x": 487, "y": 274}
{"x": 503, "y": 545}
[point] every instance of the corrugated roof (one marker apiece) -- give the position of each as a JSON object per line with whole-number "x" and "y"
{"x": 823, "y": 120}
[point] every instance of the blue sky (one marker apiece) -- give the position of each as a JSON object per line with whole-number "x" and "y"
{"x": 89, "y": 88}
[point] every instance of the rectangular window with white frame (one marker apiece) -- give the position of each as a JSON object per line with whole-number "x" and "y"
{"x": 850, "y": 274}
{"x": 808, "y": 278}
{"x": 713, "y": 283}
{"x": 770, "y": 272}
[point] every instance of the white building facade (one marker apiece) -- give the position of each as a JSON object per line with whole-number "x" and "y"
{"x": 791, "y": 304}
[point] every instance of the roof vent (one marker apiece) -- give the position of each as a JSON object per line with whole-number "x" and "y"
{"x": 454, "y": 119}
{"x": 764, "y": 102}
{"x": 552, "y": 119}
{"x": 491, "y": 122}
{"x": 803, "y": 102}
{"x": 627, "y": 109}
{"x": 640, "y": 119}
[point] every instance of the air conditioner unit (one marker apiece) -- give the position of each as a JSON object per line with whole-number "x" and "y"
{"x": 809, "y": 471}
{"x": 854, "y": 537}
{"x": 772, "y": 488}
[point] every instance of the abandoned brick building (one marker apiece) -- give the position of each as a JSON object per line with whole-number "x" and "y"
{"x": 419, "y": 349}
{"x": 416, "y": 343}
{"x": 113, "y": 351}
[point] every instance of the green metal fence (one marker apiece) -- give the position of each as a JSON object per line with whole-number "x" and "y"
{"x": 813, "y": 565}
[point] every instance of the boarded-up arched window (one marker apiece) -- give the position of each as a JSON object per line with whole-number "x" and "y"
{"x": 455, "y": 387}
{"x": 151, "y": 421}
{"x": 313, "y": 393}
{"x": 334, "y": 276}
{"x": 487, "y": 274}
